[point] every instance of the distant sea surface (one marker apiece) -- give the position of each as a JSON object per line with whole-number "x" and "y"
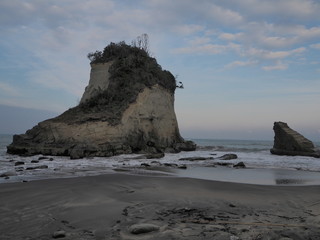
{"x": 261, "y": 166}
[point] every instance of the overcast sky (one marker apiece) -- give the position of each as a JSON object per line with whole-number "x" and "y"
{"x": 244, "y": 64}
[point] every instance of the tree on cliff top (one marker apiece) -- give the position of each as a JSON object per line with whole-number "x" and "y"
{"x": 138, "y": 47}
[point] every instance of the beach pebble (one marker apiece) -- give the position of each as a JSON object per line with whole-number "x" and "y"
{"x": 7, "y": 174}
{"x": 37, "y": 167}
{"x": 154, "y": 155}
{"x": 183, "y": 166}
{"x": 145, "y": 165}
{"x": 195, "y": 158}
{"x": 19, "y": 169}
{"x": 143, "y": 228}
{"x": 18, "y": 163}
{"x": 170, "y": 165}
{"x": 239, "y": 165}
{"x": 213, "y": 228}
{"x": 228, "y": 156}
{"x": 59, "y": 234}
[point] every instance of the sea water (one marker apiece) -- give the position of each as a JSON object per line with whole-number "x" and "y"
{"x": 261, "y": 166}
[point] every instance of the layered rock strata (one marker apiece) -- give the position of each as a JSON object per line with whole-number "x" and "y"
{"x": 128, "y": 107}
{"x": 292, "y": 143}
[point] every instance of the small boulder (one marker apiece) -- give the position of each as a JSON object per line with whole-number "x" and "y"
{"x": 143, "y": 228}
{"x": 239, "y": 165}
{"x": 170, "y": 164}
{"x": 19, "y": 163}
{"x": 37, "y": 167}
{"x": 224, "y": 164}
{"x": 154, "y": 155}
{"x": 7, "y": 174}
{"x": 59, "y": 234}
{"x": 145, "y": 165}
{"x": 183, "y": 166}
{"x": 19, "y": 169}
{"x": 228, "y": 156}
{"x": 195, "y": 158}
{"x": 186, "y": 146}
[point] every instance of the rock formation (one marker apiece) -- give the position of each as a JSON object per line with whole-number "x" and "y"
{"x": 290, "y": 142}
{"x": 128, "y": 107}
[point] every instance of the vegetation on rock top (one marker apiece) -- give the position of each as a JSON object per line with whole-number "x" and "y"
{"x": 132, "y": 70}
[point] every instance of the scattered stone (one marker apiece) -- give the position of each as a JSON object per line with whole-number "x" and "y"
{"x": 37, "y": 167}
{"x": 228, "y": 156}
{"x": 155, "y": 162}
{"x": 170, "y": 164}
{"x": 214, "y": 228}
{"x": 59, "y": 234}
{"x": 7, "y": 174}
{"x": 195, "y": 158}
{"x": 224, "y": 164}
{"x": 43, "y": 158}
{"x": 186, "y": 146}
{"x": 19, "y": 163}
{"x": 232, "y": 205}
{"x": 239, "y": 165}
{"x": 154, "y": 155}
{"x": 143, "y": 228}
{"x": 35, "y": 161}
{"x": 292, "y": 143}
{"x": 51, "y": 159}
{"x": 19, "y": 169}
{"x": 145, "y": 165}
{"x": 182, "y": 166}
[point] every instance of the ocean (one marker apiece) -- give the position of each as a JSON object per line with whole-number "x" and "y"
{"x": 261, "y": 166}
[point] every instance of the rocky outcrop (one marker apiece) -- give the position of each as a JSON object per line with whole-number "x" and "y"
{"x": 127, "y": 107}
{"x": 290, "y": 142}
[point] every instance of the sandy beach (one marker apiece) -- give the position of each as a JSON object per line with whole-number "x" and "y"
{"x": 120, "y": 206}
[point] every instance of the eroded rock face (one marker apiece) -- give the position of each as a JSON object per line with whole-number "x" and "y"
{"x": 126, "y": 108}
{"x": 290, "y": 142}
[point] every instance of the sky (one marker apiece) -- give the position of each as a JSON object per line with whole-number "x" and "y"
{"x": 244, "y": 64}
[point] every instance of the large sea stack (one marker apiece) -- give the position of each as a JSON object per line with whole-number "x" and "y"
{"x": 292, "y": 143}
{"x": 128, "y": 107}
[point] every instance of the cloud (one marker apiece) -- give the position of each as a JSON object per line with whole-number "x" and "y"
{"x": 9, "y": 90}
{"x": 262, "y": 54}
{"x": 188, "y": 29}
{"x": 223, "y": 15}
{"x": 278, "y": 66}
{"x": 241, "y": 64}
{"x": 202, "y": 49}
{"x": 315, "y": 46}
{"x": 278, "y": 10}
{"x": 231, "y": 36}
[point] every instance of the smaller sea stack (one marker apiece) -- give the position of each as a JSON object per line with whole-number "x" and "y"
{"x": 291, "y": 143}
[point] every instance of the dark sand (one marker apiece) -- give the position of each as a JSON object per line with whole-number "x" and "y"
{"x": 104, "y": 207}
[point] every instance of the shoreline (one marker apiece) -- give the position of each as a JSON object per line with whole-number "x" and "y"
{"x": 105, "y": 206}
{"x": 247, "y": 175}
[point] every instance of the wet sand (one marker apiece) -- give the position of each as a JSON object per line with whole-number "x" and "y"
{"x": 107, "y": 206}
